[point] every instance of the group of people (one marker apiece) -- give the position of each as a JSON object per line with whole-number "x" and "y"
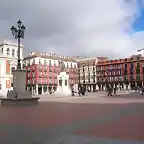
{"x": 81, "y": 91}
{"x": 111, "y": 90}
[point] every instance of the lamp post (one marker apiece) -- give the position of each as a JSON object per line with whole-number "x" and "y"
{"x": 18, "y": 33}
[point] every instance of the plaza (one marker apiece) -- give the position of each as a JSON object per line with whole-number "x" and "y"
{"x": 94, "y": 118}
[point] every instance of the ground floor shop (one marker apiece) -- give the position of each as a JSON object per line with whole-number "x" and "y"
{"x": 41, "y": 89}
{"x": 38, "y": 89}
{"x": 120, "y": 85}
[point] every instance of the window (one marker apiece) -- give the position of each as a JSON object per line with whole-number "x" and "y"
{"x": 11, "y": 84}
{"x": 7, "y": 51}
{"x": 1, "y": 50}
{"x": 138, "y": 64}
{"x": 12, "y": 69}
{"x": 45, "y": 80}
{"x": 33, "y": 61}
{"x": 13, "y": 52}
{"x": 132, "y": 65}
{"x": 49, "y": 62}
{"x": 65, "y": 82}
{"x": 39, "y": 61}
{"x": 40, "y": 80}
{"x": 60, "y": 82}
{"x": 44, "y": 62}
{"x": 67, "y": 65}
{"x": 28, "y": 81}
{"x": 55, "y": 80}
{"x": 33, "y": 81}
{"x": 50, "y": 80}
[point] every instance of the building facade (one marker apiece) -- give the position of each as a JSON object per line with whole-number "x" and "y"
{"x": 43, "y": 68}
{"x": 125, "y": 73}
{"x": 8, "y": 63}
{"x": 87, "y": 72}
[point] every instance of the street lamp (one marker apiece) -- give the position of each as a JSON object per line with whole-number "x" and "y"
{"x": 18, "y": 33}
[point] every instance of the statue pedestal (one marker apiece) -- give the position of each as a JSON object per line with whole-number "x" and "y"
{"x": 19, "y": 94}
{"x": 63, "y": 87}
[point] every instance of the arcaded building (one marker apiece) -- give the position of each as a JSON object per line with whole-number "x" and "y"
{"x": 43, "y": 68}
{"x": 87, "y": 72}
{"x": 125, "y": 73}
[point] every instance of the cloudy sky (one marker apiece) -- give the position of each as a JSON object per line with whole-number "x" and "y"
{"x": 75, "y": 27}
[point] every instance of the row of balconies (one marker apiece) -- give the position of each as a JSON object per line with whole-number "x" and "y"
{"x": 123, "y": 78}
{"x": 50, "y": 81}
{"x": 48, "y": 75}
{"x": 108, "y": 67}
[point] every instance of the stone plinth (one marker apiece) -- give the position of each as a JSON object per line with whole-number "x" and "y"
{"x": 19, "y": 102}
{"x": 19, "y": 94}
{"x": 63, "y": 87}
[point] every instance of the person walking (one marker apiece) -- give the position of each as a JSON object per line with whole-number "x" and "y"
{"x": 73, "y": 93}
{"x": 142, "y": 91}
{"x": 79, "y": 91}
{"x": 115, "y": 89}
{"x": 109, "y": 91}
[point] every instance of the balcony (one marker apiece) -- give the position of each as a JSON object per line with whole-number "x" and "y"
{"x": 131, "y": 78}
{"x": 28, "y": 69}
{"x": 55, "y": 81}
{"x": 40, "y": 69}
{"x": 45, "y": 75}
{"x": 45, "y": 69}
{"x": 50, "y": 69}
{"x": 40, "y": 75}
{"x": 45, "y": 82}
{"x": 33, "y": 69}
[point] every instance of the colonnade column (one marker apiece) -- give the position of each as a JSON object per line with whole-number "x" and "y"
{"x": 37, "y": 89}
{"x": 42, "y": 89}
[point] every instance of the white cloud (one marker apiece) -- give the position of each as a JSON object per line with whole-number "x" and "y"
{"x": 77, "y": 27}
{"x": 100, "y": 27}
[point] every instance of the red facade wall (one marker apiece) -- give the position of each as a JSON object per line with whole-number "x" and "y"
{"x": 72, "y": 74}
{"x": 123, "y": 62}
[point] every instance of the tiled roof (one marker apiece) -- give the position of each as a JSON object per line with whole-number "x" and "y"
{"x": 49, "y": 56}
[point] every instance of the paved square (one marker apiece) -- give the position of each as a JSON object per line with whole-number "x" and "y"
{"x": 90, "y": 119}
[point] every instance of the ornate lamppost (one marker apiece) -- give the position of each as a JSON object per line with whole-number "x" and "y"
{"x": 18, "y": 33}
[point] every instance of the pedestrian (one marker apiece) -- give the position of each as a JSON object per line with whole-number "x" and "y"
{"x": 142, "y": 90}
{"x": 109, "y": 91}
{"x": 83, "y": 90}
{"x": 79, "y": 91}
{"x": 73, "y": 93}
{"x": 115, "y": 88}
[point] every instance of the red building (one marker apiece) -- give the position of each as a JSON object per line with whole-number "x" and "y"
{"x": 126, "y": 73}
{"x": 43, "y": 68}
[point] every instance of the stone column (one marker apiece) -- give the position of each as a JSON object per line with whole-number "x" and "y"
{"x": 47, "y": 89}
{"x": 129, "y": 87}
{"x": 37, "y": 89}
{"x": 42, "y": 89}
{"x": 97, "y": 88}
{"x": 91, "y": 88}
{"x": 32, "y": 90}
{"x": 124, "y": 86}
{"x": 104, "y": 87}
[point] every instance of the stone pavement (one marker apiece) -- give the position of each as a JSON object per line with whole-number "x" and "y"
{"x": 74, "y": 123}
{"x": 87, "y": 94}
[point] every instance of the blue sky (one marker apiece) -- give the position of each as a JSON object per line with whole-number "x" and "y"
{"x": 139, "y": 23}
